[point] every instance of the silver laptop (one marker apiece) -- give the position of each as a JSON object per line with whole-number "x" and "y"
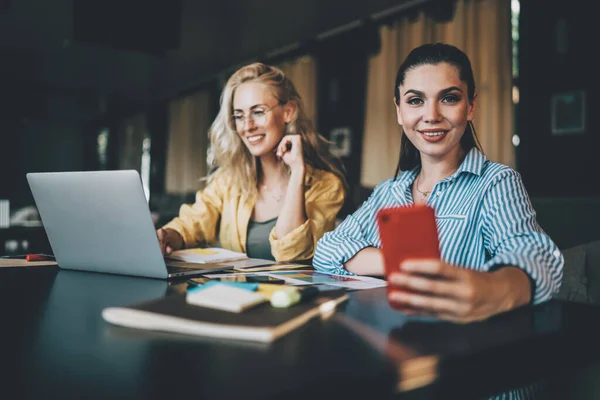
{"x": 100, "y": 221}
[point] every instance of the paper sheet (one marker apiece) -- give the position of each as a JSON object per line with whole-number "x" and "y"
{"x": 268, "y": 267}
{"x": 207, "y": 255}
{"x": 310, "y": 277}
{"x": 248, "y": 263}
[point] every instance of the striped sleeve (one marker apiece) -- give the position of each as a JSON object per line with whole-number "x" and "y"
{"x": 350, "y": 237}
{"x": 512, "y": 236}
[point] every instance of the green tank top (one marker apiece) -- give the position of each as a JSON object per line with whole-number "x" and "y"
{"x": 257, "y": 240}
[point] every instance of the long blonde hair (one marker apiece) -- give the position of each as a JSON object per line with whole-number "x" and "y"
{"x": 227, "y": 153}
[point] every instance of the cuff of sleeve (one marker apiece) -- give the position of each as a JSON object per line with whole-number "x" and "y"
{"x": 331, "y": 257}
{"x": 542, "y": 284}
{"x": 295, "y": 245}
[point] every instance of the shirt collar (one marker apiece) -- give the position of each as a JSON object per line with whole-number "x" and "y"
{"x": 473, "y": 163}
{"x": 406, "y": 179}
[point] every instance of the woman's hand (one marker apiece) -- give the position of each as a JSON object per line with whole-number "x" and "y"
{"x": 289, "y": 150}
{"x": 169, "y": 240}
{"x": 434, "y": 288}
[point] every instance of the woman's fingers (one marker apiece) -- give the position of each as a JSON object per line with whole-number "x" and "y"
{"x": 161, "y": 235}
{"x": 424, "y": 284}
{"x": 444, "y": 291}
{"x": 289, "y": 143}
{"x": 286, "y": 144}
{"x": 280, "y": 149}
{"x": 289, "y": 151}
{"x": 433, "y": 305}
{"x": 429, "y": 267}
{"x": 166, "y": 246}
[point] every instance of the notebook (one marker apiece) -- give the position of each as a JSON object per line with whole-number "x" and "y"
{"x": 262, "y": 323}
{"x": 218, "y": 255}
{"x": 207, "y": 255}
{"x": 100, "y": 221}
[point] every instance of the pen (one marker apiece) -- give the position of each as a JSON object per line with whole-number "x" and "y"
{"x": 31, "y": 257}
{"x": 39, "y": 257}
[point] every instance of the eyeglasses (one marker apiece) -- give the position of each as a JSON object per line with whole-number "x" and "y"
{"x": 258, "y": 116}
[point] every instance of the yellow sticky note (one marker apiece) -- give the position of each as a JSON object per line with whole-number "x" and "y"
{"x": 202, "y": 252}
{"x": 267, "y": 289}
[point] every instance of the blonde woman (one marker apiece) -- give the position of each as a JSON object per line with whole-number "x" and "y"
{"x": 275, "y": 188}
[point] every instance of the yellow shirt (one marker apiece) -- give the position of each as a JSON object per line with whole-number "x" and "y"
{"x": 221, "y": 209}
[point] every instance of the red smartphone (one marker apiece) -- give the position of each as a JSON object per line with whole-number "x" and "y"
{"x": 406, "y": 233}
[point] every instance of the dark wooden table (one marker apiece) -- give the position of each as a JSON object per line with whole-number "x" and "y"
{"x": 55, "y": 344}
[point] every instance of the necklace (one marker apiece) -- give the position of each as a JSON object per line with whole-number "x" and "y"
{"x": 425, "y": 194}
{"x": 276, "y": 196}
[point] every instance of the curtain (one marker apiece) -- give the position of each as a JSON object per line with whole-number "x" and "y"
{"x": 189, "y": 121}
{"x": 302, "y": 72}
{"x": 482, "y": 29}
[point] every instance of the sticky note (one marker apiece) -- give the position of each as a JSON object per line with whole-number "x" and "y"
{"x": 202, "y": 252}
{"x": 224, "y": 297}
{"x": 241, "y": 285}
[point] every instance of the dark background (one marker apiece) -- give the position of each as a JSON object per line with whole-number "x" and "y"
{"x": 72, "y": 67}
{"x": 556, "y": 52}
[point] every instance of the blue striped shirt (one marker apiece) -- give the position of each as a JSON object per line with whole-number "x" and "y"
{"x": 484, "y": 218}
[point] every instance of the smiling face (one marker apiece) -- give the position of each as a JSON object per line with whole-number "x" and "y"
{"x": 434, "y": 110}
{"x": 259, "y": 117}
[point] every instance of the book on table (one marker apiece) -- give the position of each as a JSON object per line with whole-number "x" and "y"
{"x": 216, "y": 255}
{"x": 262, "y": 323}
{"x": 207, "y": 255}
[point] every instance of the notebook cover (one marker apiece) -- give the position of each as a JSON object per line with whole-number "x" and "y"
{"x": 262, "y": 323}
